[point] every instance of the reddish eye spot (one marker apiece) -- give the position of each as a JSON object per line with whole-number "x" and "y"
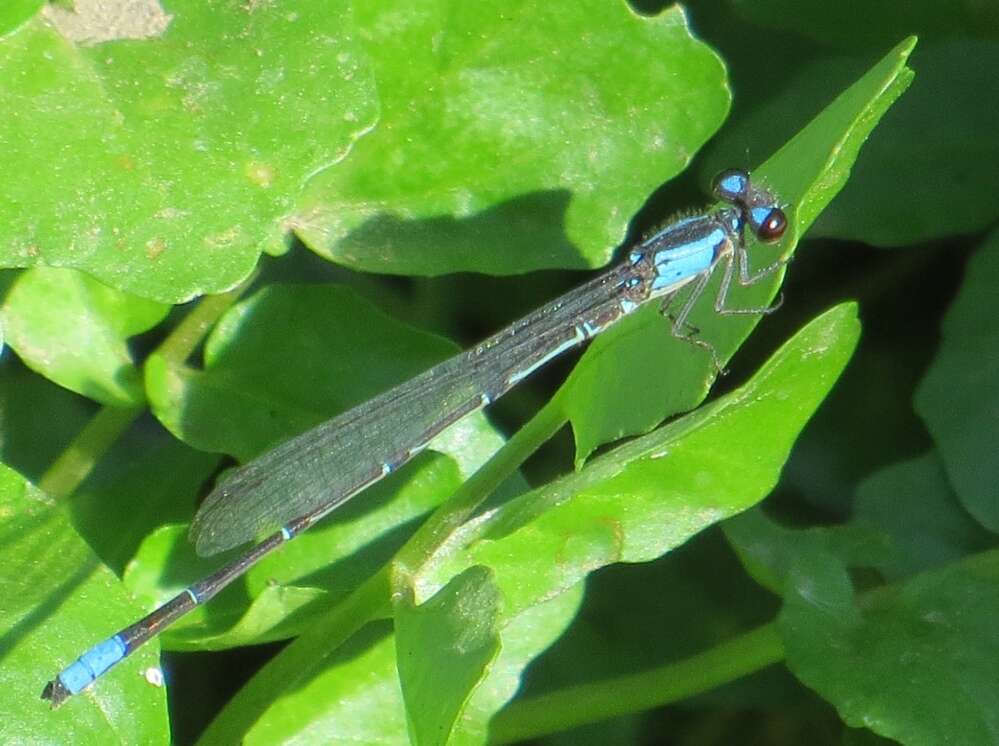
{"x": 772, "y": 226}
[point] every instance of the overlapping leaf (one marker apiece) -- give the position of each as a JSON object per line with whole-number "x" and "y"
{"x": 161, "y": 161}
{"x": 54, "y": 591}
{"x": 513, "y": 136}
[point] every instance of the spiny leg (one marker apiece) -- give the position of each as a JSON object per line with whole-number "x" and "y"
{"x": 685, "y": 331}
{"x": 745, "y": 279}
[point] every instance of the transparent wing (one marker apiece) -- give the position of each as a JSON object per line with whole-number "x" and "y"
{"x": 325, "y": 466}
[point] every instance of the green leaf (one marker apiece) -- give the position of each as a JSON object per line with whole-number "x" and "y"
{"x": 915, "y": 504}
{"x": 826, "y": 154}
{"x": 652, "y": 494}
{"x": 145, "y": 480}
{"x": 815, "y": 164}
{"x": 864, "y": 737}
{"x": 267, "y": 364}
{"x": 15, "y": 12}
{"x": 623, "y": 629}
{"x": 523, "y": 639}
{"x": 38, "y": 419}
{"x": 524, "y": 136}
{"x": 894, "y": 196}
{"x": 55, "y": 594}
{"x": 770, "y": 551}
{"x": 631, "y": 505}
{"x": 916, "y": 662}
{"x": 906, "y": 521}
{"x": 284, "y": 593}
{"x": 161, "y": 158}
{"x": 806, "y": 174}
{"x": 444, "y": 647}
{"x": 645, "y": 498}
{"x": 282, "y": 361}
{"x": 872, "y": 657}
{"x": 358, "y": 690}
{"x": 959, "y": 396}
{"x": 73, "y": 330}
{"x": 355, "y": 700}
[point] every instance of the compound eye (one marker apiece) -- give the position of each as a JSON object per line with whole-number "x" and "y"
{"x": 768, "y": 223}
{"x": 732, "y": 185}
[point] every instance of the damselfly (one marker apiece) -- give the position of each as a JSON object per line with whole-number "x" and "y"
{"x": 302, "y": 480}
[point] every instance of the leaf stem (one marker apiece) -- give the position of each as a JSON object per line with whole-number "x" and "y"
{"x": 303, "y": 658}
{"x": 75, "y": 463}
{"x": 309, "y": 653}
{"x": 588, "y": 703}
{"x": 187, "y": 335}
{"x": 459, "y": 507}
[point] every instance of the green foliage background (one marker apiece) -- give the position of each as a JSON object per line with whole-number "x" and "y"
{"x": 223, "y": 222}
